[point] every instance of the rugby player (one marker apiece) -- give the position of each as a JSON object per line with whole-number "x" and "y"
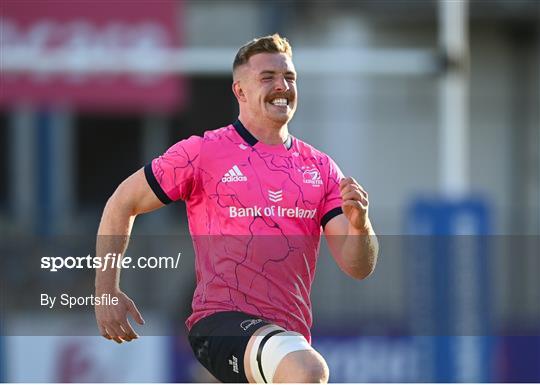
{"x": 258, "y": 200}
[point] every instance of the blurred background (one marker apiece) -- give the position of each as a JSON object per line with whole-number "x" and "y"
{"x": 433, "y": 106}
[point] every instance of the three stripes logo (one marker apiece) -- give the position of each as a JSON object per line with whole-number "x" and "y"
{"x": 234, "y": 175}
{"x": 275, "y": 196}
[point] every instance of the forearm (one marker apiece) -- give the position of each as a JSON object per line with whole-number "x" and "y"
{"x": 113, "y": 237}
{"x": 134, "y": 196}
{"x": 359, "y": 252}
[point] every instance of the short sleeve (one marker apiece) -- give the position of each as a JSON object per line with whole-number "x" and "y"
{"x": 173, "y": 175}
{"x": 331, "y": 205}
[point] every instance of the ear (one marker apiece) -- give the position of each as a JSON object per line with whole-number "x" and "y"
{"x": 238, "y": 91}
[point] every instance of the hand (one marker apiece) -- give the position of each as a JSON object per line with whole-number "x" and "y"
{"x": 355, "y": 203}
{"x": 112, "y": 319}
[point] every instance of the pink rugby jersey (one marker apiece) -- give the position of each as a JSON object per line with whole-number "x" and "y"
{"x": 255, "y": 213}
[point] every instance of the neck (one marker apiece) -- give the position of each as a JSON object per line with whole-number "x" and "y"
{"x": 267, "y": 132}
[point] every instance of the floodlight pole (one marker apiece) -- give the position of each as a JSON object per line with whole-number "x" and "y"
{"x": 454, "y": 98}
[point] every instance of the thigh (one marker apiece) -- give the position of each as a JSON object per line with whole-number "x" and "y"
{"x": 270, "y": 347}
{"x": 219, "y": 342}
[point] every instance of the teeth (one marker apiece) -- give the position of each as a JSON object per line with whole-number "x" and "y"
{"x": 279, "y": 102}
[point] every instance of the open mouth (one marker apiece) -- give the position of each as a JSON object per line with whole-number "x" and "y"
{"x": 280, "y": 102}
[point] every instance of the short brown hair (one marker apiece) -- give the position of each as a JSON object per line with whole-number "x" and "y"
{"x": 266, "y": 44}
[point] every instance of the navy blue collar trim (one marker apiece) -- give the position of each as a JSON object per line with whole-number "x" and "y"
{"x": 244, "y": 133}
{"x": 251, "y": 140}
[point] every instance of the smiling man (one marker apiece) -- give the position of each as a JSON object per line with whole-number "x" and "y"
{"x": 258, "y": 200}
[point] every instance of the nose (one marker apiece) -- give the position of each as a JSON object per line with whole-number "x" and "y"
{"x": 281, "y": 84}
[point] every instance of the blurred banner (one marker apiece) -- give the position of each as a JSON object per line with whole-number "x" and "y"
{"x": 89, "y": 29}
{"x": 517, "y": 359}
{"x": 388, "y": 359}
{"x": 86, "y": 359}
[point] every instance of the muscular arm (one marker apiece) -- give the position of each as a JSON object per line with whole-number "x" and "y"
{"x": 351, "y": 238}
{"x": 134, "y": 196}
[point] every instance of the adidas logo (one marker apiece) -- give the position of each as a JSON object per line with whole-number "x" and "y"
{"x": 234, "y": 364}
{"x": 234, "y": 175}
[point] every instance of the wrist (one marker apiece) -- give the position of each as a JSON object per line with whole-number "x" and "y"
{"x": 364, "y": 229}
{"x": 107, "y": 289}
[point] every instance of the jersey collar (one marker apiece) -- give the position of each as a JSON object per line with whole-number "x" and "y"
{"x": 251, "y": 140}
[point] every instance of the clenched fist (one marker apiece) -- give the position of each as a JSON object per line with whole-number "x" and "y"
{"x": 355, "y": 203}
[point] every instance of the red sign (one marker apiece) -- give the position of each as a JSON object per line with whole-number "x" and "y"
{"x": 83, "y": 28}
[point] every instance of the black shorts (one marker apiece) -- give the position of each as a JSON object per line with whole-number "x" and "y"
{"x": 219, "y": 342}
